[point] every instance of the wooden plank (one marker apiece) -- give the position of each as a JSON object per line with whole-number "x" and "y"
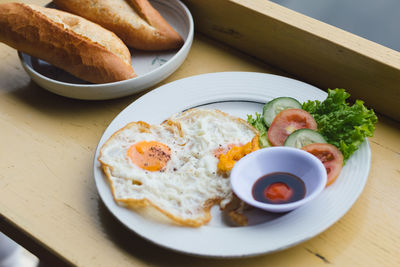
{"x": 311, "y": 50}
{"x": 49, "y": 202}
{"x": 51, "y": 206}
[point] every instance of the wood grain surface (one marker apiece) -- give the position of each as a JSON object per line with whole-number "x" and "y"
{"x": 316, "y": 52}
{"x": 49, "y": 202}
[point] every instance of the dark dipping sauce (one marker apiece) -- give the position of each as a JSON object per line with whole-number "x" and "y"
{"x": 279, "y": 188}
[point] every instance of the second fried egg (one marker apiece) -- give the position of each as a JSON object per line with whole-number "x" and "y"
{"x": 173, "y": 166}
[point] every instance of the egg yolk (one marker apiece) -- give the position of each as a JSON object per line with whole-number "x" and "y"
{"x": 222, "y": 150}
{"x": 277, "y": 192}
{"x": 149, "y": 155}
{"x": 228, "y": 160}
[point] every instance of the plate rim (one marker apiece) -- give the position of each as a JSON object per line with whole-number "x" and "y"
{"x": 225, "y": 255}
{"x": 159, "y": 70}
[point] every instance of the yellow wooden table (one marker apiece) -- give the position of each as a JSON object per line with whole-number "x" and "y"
{"x": 50, "y": 205}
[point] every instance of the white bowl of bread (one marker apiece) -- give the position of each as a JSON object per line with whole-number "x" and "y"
{"x": 121, "y": 47}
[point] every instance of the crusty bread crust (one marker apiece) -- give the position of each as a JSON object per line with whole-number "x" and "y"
{"x": 50, "y": 35}
{"x": 136, "y": 22}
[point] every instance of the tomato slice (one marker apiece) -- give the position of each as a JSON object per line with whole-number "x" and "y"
{"x": 330, "y": 156}
{"x": 288, "y": 121}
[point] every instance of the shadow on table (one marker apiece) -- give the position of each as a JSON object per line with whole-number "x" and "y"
{"x": 316, "y": 248}
{"x": 53, "y": 104}
{"x": 64, "y": 108}
{"x": 153, "y": 254}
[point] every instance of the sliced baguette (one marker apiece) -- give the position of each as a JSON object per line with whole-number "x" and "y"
{"x": 136, "y": 22}
{"x": 74, "y": 44}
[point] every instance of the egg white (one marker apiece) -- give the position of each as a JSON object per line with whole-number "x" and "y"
{"x": 190, "y": 183}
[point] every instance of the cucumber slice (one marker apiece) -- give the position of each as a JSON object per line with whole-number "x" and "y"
{"x": 303, "y": 137}
{"x": 263, "y": 141}
{"x": 276, "y": 105}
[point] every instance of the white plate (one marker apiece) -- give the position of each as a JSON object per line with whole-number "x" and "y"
{"x": 238, "y": 93}
{"x": 151, "y": 67}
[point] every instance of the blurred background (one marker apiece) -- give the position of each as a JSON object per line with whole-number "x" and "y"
{"x": 375, "y": 20}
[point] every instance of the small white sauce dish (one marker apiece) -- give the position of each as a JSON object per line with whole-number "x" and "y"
{"x": 278, "y": 159}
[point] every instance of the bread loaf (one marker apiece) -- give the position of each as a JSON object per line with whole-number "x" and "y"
{"x": 136, "y": 22}
{"x": 74, "y": 44}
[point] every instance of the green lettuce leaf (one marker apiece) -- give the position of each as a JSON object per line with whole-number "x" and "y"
{"x": 258, "y": 123}
{"x": 343, "y": 125}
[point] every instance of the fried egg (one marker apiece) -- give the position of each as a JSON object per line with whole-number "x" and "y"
{"x": 173, "y": 166}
